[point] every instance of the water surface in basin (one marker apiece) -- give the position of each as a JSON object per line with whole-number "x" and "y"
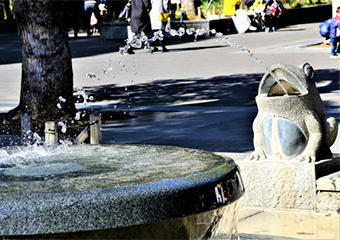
{"x": 80, "y": 167}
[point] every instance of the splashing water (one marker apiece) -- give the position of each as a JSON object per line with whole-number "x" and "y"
{"x": 77, "y": 116}
{"x": 137, "y": 42}
{"x": 92, "y": 76}
{"x": 63, "y": 127}
{"x": 140, "y": 41}
{"x": 62, "y": 99}
{"x": 226, "y": 40}
{"x": 190, "y": 31}
{"x": 81, "y": 94}
{"x": 158, "y": 36}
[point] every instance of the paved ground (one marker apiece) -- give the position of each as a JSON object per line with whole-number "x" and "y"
{"x": 199, "y": 95}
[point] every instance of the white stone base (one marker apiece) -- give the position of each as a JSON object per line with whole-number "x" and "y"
{"x": 278, "y": 184}
{"x": 286, "y": 185}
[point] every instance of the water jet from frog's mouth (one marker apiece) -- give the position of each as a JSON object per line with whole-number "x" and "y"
{"x": 281, "y": 83}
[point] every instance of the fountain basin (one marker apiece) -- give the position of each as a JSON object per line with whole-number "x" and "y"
{"x": 89, "y": 191}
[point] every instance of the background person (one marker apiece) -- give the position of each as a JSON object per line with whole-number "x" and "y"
{"x": 159, "y": 18}
{"x": 334, "y": 34}
{"x": 273, "y": 10}
{"x": 91, "y": 6}
{"x": 230, "y": 6}
{"x": 140, "y": 19}
{"x": 75, "y": 14}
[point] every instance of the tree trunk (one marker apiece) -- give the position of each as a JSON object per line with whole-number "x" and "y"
{"x": 47, "y": 77}
{"x": 189, "y": 7}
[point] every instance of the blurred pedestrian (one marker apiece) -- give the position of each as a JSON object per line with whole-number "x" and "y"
{"x": 125, "y": 16}
{"x": 334, "y": 35}
{"x": 92, "y": 7}
{"x": 159, "y": 15}
{"x": 272, "y": 10}
{"x": 8, "y": 10}
{"x": 75, "y": 14}
{"x": 140, "y": 20}
{"x": 230, "y": 6}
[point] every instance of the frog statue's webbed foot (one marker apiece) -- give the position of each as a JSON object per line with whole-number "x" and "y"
{"x": 307, "y": 158}
{"x": 257, "y": 155}
{"x": 331, "y": 130}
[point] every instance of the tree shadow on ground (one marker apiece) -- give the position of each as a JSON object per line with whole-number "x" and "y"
{"x": 232, "y": 90}
{"x": 222, "y": 123}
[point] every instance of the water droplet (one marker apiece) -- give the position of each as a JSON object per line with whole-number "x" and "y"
{"x": 181, "y": 31}
{"x": 219, "y": 34}
{"x": 61, "y": 99}
{"x": 77, "y": 117}
{"x": 91, "y": 75}
{"x": 64, "y": 129}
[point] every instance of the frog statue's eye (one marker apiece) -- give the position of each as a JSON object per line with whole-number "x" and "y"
{"x": 308, "y": 71}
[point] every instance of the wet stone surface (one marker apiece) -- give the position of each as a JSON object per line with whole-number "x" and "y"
{"x": 75, "y": 168}
{"x": 88, "y": 188}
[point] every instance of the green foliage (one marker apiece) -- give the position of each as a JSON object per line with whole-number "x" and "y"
{"x": 215, "y": 4}
{"x": 297, "y": 3}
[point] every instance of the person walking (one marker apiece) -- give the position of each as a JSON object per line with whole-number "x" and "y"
{"x": 334, "y": 35}
{"x": 140, "y": 19}
{"x": 272, "y": 10}
{"x": 230, "y": 6}
{"x": 91, "y": 6}
{"x": 159, "y": 17}
{"x": 75, "y": 14}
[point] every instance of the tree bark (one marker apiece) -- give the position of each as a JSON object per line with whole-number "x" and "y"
{"x": 189, "y": 7}
{"x": 47, "y": 77}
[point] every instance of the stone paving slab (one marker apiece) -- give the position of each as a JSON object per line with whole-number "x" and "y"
{"x": 329, "y": 183}
{"x": 289, "y": 224}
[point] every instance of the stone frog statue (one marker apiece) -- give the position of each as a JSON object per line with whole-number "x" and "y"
{"x": 291, "y": 121}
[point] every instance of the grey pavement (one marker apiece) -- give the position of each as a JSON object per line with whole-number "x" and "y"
{"x": 200, "y": 94}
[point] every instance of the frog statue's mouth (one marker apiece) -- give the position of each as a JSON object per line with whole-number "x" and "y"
{"x": 283, "y": 81}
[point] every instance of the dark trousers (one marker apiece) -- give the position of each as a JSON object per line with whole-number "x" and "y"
{"x": 335, "y": 45}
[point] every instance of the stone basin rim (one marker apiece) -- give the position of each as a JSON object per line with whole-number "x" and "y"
{"x": 111, "y": 207}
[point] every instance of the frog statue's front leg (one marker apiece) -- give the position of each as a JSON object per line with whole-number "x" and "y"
{"x": 314, "y": 129}
{"x": 258, "y": 141}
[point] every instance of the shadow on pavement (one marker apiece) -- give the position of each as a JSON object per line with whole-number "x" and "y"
{"x": 213, "y": 114}
{"x": 232, "y": 90}
{"x": 195, "y": 48}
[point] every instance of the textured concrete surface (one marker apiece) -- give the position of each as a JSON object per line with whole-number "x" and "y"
{"x": 329, "y": 183}
{"x": 289, "y": 184}
{"x": 328, "y": 201}
{"x": 291, "y": 224}
{"x": 277, "y": 184}
{"x": 55, "y": 204}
